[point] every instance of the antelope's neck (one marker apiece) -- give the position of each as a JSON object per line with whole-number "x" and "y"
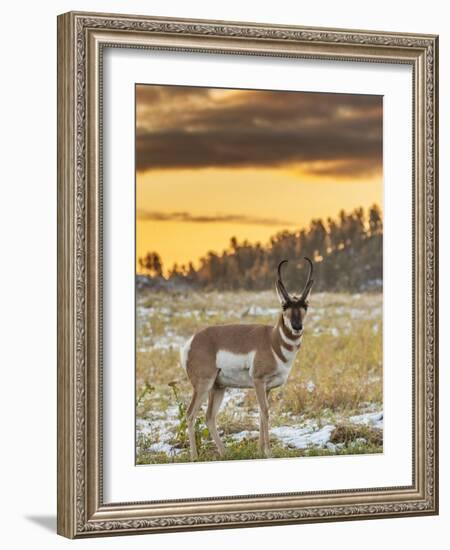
{"x": 283, "y": 339}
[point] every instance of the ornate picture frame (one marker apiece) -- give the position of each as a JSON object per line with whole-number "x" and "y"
{"x": 82, "y": 39}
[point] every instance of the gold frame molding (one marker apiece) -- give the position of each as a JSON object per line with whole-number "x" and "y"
{"x": 81, "y": 39}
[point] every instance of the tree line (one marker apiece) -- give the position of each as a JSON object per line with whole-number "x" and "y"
{"x": 347, "y": 254}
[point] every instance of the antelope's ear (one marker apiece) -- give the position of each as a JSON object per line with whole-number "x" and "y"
{"x": 280, "y": 293}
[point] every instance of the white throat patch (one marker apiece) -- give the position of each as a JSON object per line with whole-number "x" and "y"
{"x": 287, "y": 340}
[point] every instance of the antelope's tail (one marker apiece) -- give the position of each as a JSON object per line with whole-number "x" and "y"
{"x": 184, "y": 352}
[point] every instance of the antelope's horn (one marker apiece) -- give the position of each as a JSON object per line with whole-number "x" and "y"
{"x": 281, "y": 286}
{"x": 309, "y": 281}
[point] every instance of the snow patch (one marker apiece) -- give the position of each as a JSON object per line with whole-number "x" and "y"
{"x": 373, "y": 419}
{"x": 302, "y": 438}
{"x": 234, "y": 397}
{"x": 257, "y": 311}
{"x": 294, "y": 437}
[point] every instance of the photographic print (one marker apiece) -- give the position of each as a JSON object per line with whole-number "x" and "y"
{"x": 259, "y": 261}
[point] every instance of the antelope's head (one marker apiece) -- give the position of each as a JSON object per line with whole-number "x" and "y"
{"x": 295, "y": 307}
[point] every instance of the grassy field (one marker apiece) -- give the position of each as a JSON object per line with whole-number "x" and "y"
{"x": 332, "y": 403}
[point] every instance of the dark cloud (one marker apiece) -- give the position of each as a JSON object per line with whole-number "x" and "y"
{"x": 224, "y": 218}
{"x": 146, "y": 93}
{"x": 329, "y": 134}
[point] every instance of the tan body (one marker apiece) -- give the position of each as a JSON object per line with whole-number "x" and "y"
{"x": 244, "y": 356}
{"x": 239, "y": 356}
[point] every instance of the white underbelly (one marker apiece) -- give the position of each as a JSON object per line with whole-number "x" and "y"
{"x": 235, "y": 369}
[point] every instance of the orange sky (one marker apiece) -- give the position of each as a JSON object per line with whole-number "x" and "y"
{"x": 212, "y": 164}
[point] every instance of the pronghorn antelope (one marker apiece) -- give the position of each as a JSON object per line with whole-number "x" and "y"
{"x": 244, "y": 356}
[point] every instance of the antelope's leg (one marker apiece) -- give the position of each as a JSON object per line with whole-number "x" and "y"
{"x": 261, "y": 395}
{"x": 215, "y": 400}
{"x": 198, "y": 397}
